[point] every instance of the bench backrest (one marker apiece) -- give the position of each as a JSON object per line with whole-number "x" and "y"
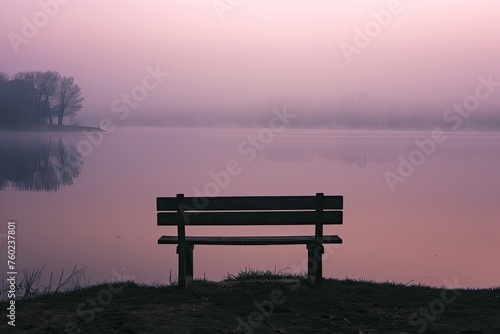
{"x": 251, "y": 210}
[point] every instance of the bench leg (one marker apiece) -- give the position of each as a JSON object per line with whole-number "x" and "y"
{"x": 186, "y": 267}
{"x": 189, "y": 264}
{"x": 315, "y": 264}
{"x": 182, "y": 268}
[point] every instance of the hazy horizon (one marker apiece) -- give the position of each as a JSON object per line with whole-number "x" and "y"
{"x": 424, "y": 58}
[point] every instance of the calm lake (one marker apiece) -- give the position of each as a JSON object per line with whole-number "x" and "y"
{"x": 94, "y": 205}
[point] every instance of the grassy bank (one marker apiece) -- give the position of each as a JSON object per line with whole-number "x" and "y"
{"x": 47, "y": 128}
{"x": 259, "y": 304}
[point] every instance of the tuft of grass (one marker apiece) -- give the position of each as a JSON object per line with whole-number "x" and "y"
{"x": 256, "y": 274}
{"x": 31, "y": 286}
{"x": 203, "y": 279}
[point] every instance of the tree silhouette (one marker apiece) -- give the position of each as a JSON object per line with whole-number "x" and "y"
{"x": 42, "y": 88}
{"x": 4, "y": 78}
{"x": 38, "y": 97}
{"x": 69, "y": 99}
{"x": 15, "y": 104}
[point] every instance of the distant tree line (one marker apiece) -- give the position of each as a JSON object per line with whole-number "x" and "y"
{"x": 37, "y": 97}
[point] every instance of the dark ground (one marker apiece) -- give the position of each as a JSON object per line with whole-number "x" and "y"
{"x": 344, "y": 306}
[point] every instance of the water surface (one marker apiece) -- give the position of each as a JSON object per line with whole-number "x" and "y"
{"x": 97, "y": 209}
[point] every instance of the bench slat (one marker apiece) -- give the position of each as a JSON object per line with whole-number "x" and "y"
{"x": 249, "y": 203}
{"x": 252, "y": 218}
{"x": 263, "y": 240}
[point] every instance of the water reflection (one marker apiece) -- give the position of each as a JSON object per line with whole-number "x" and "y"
{"x": 355, "y": 152}
{"x": 363, "y": 151}
{"x": 37, "y": 162}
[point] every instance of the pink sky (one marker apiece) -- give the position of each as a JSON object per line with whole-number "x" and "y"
{"x": 430, "y": 53}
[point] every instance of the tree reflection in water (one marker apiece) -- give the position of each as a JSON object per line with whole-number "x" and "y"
{"x": 37, "y": 163}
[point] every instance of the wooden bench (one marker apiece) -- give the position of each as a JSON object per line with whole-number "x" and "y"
{"x": 316, "y": 210}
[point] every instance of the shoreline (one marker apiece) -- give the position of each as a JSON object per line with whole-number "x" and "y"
{"x": 47, "y": 128}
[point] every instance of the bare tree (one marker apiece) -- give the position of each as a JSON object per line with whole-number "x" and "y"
{"x": 42, "y": 88}
{"x": 48, "y": 83}
{"x": 4, "y": 78}
{"x": 48, "y": 94}
{"x": 69, "y": 99}
{"x": 27, "y": 79}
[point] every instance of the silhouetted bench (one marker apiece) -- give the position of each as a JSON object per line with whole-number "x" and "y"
{"x": 316, "y": 210}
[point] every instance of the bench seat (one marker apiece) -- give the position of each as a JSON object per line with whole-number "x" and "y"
{"x": 257, "y": 240}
